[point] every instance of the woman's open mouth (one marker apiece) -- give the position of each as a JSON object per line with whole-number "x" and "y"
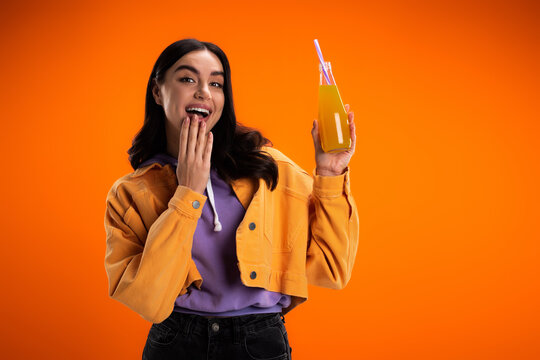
{"x": 202, "y": 113}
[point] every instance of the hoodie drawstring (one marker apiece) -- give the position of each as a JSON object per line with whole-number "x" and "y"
{"x": 217, "y": 224}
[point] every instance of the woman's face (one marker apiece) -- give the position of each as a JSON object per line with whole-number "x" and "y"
{"x": 192, "y": 87}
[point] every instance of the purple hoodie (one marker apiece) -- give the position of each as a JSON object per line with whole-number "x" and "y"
{"x": 214, "y": 253}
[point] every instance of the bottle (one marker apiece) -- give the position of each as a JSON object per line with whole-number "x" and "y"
{"x": 333, "y": 120}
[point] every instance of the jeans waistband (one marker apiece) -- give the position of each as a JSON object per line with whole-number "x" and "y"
{"x": 226, "y": 327}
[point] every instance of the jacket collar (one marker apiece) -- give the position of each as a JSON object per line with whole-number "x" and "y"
{"x": 158, "y": 160}
{"x": 244, "y": 188}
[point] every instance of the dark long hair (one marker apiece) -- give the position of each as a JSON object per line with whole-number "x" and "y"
{"x": 236, "y": 151}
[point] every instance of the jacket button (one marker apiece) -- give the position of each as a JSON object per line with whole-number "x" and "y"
{"x": 252, "y": 226}
{"x": 196, "y": 204}
{"x": 253, "y": 275}
{"x": 215, "y": 327}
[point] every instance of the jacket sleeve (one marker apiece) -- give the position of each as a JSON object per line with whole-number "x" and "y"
{"x": 333, "y": 225}
{"x": 147, "y": 272}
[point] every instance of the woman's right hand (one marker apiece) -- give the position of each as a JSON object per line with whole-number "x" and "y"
{"x": 194, "y": 153}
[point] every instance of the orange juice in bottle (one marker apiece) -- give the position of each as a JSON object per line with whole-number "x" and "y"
{"x": 333, "y": 121}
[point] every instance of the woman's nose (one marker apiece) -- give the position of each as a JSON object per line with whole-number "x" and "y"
{"x": 202, "y": 92}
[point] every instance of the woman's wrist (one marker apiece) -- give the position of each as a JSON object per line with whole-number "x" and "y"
{"x": 327, "y": 172}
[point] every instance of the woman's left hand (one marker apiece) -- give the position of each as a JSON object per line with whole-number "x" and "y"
{"x": 333, "y": 164}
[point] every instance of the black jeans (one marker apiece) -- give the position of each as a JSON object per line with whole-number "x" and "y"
{"x": 194, "y": 337}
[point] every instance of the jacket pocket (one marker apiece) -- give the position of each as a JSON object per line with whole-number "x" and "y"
{"x": 285, "y": 218}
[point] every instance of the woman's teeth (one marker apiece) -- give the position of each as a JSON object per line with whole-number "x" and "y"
{"x": 198, "y": 111}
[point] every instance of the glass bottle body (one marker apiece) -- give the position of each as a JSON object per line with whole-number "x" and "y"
{"x": 333, "y": 120}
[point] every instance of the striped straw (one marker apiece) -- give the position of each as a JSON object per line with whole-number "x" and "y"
{"x": 321, "y": 60}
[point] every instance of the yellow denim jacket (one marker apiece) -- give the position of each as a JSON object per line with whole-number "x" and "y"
{"x": 305, "y": 231}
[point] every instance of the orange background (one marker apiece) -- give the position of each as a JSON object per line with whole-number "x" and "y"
{"x": 445, "y": 172}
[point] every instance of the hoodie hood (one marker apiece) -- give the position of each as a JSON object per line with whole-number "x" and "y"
{"x": 164, "y": 159}
{"x": 161, "y": 158}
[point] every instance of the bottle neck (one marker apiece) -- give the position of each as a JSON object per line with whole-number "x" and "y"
{"x": 328, "y": 78}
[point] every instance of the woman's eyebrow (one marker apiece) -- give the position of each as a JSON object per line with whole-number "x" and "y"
{"x": 192, "y": 69}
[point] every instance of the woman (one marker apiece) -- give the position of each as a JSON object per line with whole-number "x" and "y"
{"x": 216, "y": 280}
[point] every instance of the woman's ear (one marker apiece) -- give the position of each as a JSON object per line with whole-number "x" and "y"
{"x": 156, "y": 93}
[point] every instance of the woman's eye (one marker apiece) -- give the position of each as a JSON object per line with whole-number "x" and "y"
{"x": 186, "y": 79}
{"x": 216, "y": 84}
